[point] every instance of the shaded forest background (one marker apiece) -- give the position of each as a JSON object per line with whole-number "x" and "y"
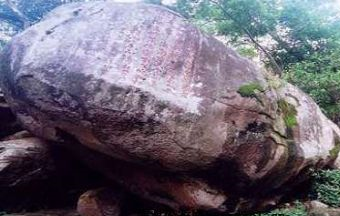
{"x": 298, "y": 40}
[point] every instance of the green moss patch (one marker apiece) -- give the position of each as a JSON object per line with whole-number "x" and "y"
{"x": 250, "y": 90}
{"x": 289, "y": 113}
{"x": 334, "y": 152}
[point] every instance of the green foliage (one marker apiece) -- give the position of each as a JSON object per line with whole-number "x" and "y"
{"x": 298, "y": 210}
{"x": 326, "y": 187}
{"x": 312, "y": 26}
{"x": 298, "y": 28}
{"x": 238, "y": 14}
{"x": 289, "y": 113}
{"x": 250, "y": 90}
{"x": 320, "y": 78}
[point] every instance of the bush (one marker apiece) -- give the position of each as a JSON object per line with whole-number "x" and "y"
{"x": 298, "y": 210}
{"x": 326, "y": 187}
{"x": 321, "y": 80}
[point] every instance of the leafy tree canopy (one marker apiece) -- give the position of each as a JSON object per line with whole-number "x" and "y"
{"x": 298, "y": 28}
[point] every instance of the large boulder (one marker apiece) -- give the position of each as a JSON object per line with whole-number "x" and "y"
{"x": 139, "y": 84}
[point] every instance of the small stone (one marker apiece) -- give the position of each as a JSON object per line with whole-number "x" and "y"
{"x": 325, "y": 212}
{"x": 317, "y": 204}
{"x": 317, "y": 208}
{"x": 100, "y": 202}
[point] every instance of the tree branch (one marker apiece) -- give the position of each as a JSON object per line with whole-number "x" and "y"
{"x": 18, "y": 13}
{"x": 277, "y": 69}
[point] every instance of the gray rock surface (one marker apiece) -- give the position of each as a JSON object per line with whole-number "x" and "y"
{"x": 140, "y": 84}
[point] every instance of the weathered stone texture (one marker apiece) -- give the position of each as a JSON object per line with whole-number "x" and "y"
{"x": 140, "y": 84}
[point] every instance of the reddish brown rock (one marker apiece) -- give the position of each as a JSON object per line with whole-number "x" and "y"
{"x": 100, "y": 202}
{"x": 141, "y": 85}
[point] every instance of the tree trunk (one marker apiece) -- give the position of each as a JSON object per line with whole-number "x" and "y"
{"x": 20, "y": 16}
{"x": 276, "y": 68}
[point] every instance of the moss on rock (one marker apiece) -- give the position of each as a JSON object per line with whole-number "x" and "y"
{"x": 250, "y": 90}
{"x": 334, "y": 152}
{"x": 289, "y": 113}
